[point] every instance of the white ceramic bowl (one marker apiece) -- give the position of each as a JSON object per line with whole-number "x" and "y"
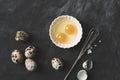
{"x": 77, "y": 38}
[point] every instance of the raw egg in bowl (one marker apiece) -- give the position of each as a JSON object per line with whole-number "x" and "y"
{"x": 65, "y": 31}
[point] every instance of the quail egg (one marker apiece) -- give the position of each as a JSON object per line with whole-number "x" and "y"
{"x": 21, "y": 36}
{"x": 16, "y": 56}
{"x": 30, "y": 51}
{"x": 30, "y": 64}
{"x": 56, "y": 63}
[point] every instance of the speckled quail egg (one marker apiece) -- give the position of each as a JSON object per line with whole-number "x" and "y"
{"x": 30, "y": 51}
{"x": 82, "y": 75}
{"x": 16, "y": 56}
{"x": 56, "y": 63}
{"x": 30, "y": 64}
{"x": 21, "y": 36}
{"x": 87, "y": 65}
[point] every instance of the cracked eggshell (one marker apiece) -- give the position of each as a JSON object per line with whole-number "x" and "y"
{"x": 78, "y": 27}
{"x": 88, "y": 64}
{"x": 82, "y": 75}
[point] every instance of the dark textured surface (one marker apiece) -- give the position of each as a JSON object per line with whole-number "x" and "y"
{"x": 35, "y": 16}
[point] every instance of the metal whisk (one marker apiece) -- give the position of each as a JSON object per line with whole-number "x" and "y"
{"x": 92, "y": 35}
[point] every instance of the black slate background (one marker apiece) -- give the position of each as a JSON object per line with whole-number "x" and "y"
{"x": 35, "y": 16}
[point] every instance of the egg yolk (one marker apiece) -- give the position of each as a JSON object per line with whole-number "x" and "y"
{"x": 70, "y": 29}
{"x": 61, "y": 37}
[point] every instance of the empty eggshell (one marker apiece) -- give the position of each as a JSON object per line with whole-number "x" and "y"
{"x": 87, "y": 65}
{"x": 82, "y": 75}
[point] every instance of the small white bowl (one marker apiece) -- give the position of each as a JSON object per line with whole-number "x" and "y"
{"x": 79, "y": 33}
